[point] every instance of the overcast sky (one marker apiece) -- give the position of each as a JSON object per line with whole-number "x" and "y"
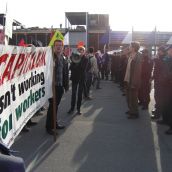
{"x": 142, "y": 15}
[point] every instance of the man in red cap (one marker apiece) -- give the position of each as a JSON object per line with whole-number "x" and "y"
{"x": 78, "y": 70}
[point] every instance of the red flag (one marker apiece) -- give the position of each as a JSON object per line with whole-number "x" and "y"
{"x": 22, "y": 43}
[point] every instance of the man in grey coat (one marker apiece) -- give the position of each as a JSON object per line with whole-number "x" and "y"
{"x": 132, "y": 79}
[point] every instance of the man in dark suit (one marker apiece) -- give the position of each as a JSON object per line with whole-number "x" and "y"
{"x": 167, "y": 85}
{"x": 158, "y": 86}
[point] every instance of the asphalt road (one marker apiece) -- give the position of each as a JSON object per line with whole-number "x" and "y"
{"x": 102, "y": 139}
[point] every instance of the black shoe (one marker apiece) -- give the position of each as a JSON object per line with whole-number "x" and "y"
{"x": 88, "y": 98}
{"x": 31, "y": 123}
{"x": 155, "y": 111}
{"x": 70, "y": 111}
{"x": 79, "y": 112}
{"x": 98, "y": 88}
{"x": 127, "y": 112}
{"x": 50, "y": 131}
{"x": 140, "y": 103}
{"x": 60, "y": 127}
{"x": 161, "y": 122}
{"x": 169, "y": 131}
{"x": 144, "y": 107}
{"x": 155, "y": 117}
{"x": 133, "y": 116}
{"x": 25, "y": 129}
{"x": 43, "y": 108}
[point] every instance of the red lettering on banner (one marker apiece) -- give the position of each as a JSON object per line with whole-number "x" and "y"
{"x": 38, "y": 59}
{"x": 8, "y": 69}
{"x": 26, "y": 62}
{"x": 19, "y": 64}
{"x": 3, "y": 58}
{"x": 33, "y": 57}
{"x": 41, "y": 60}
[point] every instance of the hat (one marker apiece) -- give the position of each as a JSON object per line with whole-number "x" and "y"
{"x": 170, "y": 46}
{"x": 81, "y": 47}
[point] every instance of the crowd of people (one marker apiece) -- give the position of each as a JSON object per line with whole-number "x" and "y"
{"x": 136, "y": 72}
{"x": 84, "y": 67}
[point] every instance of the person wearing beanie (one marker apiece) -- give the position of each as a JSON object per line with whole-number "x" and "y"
{"x": 78, "y": 68}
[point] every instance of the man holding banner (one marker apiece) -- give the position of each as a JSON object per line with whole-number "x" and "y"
{"x": 61, "y": 83}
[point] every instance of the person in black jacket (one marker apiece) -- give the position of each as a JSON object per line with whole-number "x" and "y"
{"x": 167, "y": 91}
{"x": 158, "y": 86}
{"x": 78, "y": 70}
{"x": 61, "y": 83}
{"x": 145, "y": 86}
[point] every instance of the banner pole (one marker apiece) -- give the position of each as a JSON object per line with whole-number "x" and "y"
{"x": 54, "y": 103}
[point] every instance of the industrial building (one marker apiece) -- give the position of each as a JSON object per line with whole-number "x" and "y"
{"x": 92, "y": 29}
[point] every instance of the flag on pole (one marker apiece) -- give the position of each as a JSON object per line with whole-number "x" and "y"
{"x": 57, "y": 35}
{"x": 127, "y": 39}
{"x": 8, "y": 24}
{"x": 66, "y": 39}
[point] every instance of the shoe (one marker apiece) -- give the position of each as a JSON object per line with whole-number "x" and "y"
{"x": 60, "y": 127}
{"x": 88, "y": 98}
{"x": 140, "y": 103}
{"x": 79, "y": 113}
{"x": 169, "y": 131}
{"x": 161, "y": 122}
{"x": 50, "y": 131}
{"x": 154, "y": 111}
{"x": 127, "y": 112}
{"x": 25, "y": 129}
{"x": 144, "y": 108}
{"x": 70, "y": 111}
{"x": 133, "y": 116}
{"x": 155, "y": 117}
{"x": 31, "y": 123}
{"x": 43, "y": 108}
{"x": 98, "y": 88}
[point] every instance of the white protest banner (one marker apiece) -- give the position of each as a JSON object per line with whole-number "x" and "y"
{"x": 25, "y": 86}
